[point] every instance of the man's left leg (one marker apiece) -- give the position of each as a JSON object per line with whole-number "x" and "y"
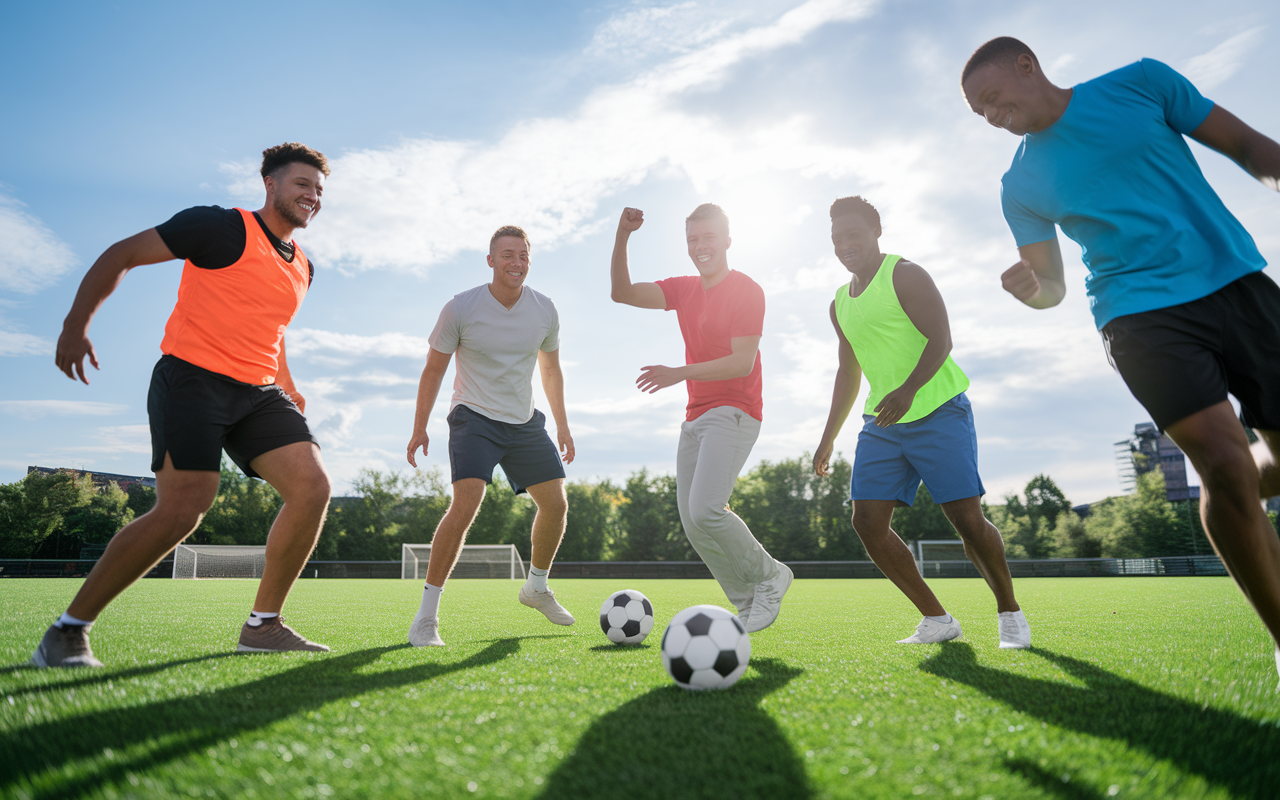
{"x": 985, "y": 548}
{"x": 548, "y": 530}
{"x": 297, "y": 473}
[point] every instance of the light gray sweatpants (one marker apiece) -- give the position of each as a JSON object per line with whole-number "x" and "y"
{"x": 713, "y": 449}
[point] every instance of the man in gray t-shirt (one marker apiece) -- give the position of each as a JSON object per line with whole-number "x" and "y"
{"x": 499, "y": 331}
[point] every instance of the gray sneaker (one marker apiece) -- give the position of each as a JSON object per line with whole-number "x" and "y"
{"x": 67, "y": 646}
{"x": 768, "y": 599}
{"x": 425, "y": 632}
{"x": 546, "y": 603}
{"x": 273, "y": 636}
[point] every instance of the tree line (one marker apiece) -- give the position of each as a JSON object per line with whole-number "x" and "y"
{"x": 796, "y": 515}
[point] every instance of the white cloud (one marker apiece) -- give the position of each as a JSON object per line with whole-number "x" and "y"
{"x": 13, "y": 343}
{"x": 32, "y": 256}
{"x": 35, "y": 409}
{"x": 426, "y": 200}
{"x": 1210, "y": 69}
{"x": 657, "y": 30}
{"x": 314, "y": 342}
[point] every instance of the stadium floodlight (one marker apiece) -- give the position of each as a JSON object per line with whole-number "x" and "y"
{"x": 938, "y": 550}
{"x": 475, "y": 561}
{"x": 192, "y": 561}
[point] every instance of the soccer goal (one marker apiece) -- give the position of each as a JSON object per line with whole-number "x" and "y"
{"x": 192, "y": 561}
{"x": 938, "y": 550}
{"x": 475, "y": 561}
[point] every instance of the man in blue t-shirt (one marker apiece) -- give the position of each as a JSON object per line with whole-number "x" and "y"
{"x": 1175, "y": 282}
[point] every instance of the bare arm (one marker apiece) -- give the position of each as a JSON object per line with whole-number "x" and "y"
{"x": 845, "y": 392}
{"x": 284, "y": 379}
{"x": 98, "y": 284}
{"x": 428, "y": 390}
{"x": 922, "y": 302}
{"x": 737, "y": 364}
{"x": 553, "y": 385}
{"x": 622, "y": 290}
{"x": 1256, "y": 154}
{"x": 1037, "y": 279}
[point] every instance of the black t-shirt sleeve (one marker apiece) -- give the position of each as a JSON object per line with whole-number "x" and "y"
{"x": 211, "y": 237}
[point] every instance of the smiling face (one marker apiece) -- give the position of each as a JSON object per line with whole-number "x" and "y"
{"x": 509, "y": 257}
{"x": 1011, "y": 96}
{"x": 294, "y": 191}
{"x": 856, "y": 242}
{"x": 708, "y": 241}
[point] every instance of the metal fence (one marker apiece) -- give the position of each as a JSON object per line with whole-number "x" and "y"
{"x": 655, "y": 570}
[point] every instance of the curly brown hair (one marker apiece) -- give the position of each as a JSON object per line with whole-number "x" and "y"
{"x": 507, "y": 230}
{"x": 856, "y": 205}
{"x": 282, "y": 155}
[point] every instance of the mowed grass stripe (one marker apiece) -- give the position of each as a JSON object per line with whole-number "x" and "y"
{"x": 1142, "y": 687}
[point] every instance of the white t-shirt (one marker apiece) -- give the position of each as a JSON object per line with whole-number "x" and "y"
{"x": 497, "y": 349}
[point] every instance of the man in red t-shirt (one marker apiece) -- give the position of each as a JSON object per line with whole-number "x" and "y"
{"x": 721, "y": 315}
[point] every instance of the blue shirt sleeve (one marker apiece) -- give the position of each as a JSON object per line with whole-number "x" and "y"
{"x": 1184, "y": 107}
{"x": 1027, "y": 226}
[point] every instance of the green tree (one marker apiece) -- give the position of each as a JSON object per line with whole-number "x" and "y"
{"x": 593, "y": 520}
{"x": 797, "y": 515}
{"x": 53, "y": 516}
{"x": 650, "y": 521}
{"x": 1140, "y": 525}
{"x": 924, "y": 519}
{"x": 242, "y": 512}
{"x": 1071, "y": 538}
{"x": 390, "y": 509}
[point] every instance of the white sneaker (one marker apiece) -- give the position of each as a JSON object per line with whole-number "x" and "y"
{"x": 1015, "y": 633}
{"x": 425, "y": 632}
{"x": 768, "y": 599}
{"x": 1278, "y": 664}
{"x": 546, "y": 603}
{"x": 744, "y": 614}
{"x": 930, "y": 631}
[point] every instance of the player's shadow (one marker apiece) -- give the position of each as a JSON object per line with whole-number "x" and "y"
{"x": 81, "y": 677}
{"x": 1226, "y": 749}
{"x": 154, "y": 733}
{"x": 671, "y": 742}
{"x": 621, "y": 648}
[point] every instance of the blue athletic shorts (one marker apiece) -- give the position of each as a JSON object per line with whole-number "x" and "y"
{"x": 940, "y": 449}
{"x": 525, "y": 452}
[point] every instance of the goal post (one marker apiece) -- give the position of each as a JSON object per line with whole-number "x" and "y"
{"x": 475, "y": 561}
{"x": 201, "y": 561}
{"x": 938, "y": 550}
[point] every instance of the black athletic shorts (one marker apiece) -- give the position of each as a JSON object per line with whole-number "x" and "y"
{"x": 477, "y": 444}
{"x": 1186, "y": 358}
{"x": 196, "y": 414}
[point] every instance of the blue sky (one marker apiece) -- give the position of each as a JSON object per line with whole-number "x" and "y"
{"x": 445, "y": 120}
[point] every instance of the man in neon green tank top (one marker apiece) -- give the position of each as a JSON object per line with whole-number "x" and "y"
{"x": 892, "y": 326}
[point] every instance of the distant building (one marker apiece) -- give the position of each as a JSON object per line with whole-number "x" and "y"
{"x": 100, "y": 479}
{"x": 1150, "y": 449}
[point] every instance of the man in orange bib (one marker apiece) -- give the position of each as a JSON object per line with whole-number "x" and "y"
{"x": 222, "y": 384}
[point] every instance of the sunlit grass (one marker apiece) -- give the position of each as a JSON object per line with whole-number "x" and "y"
{"x": 1139, "y": 687}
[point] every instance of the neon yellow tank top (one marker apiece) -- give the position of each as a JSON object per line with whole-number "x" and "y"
{"x": 888, "y": 345}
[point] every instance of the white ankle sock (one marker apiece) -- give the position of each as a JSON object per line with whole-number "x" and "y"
{"x": 944, "y": 619}
{"x": 67, "y": 619}
{"x": 537, "y": 579}
{"x": 256, "y": 617}
{"x": 430, "y": 608}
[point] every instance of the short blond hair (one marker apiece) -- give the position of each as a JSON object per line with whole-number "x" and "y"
{"x": 508, "y": 230}
{"x": 708, "y": 211}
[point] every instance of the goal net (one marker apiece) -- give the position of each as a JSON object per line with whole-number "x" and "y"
{"x": 938, "y": 550}
{"x": 192, "y": 561}
{"x": 475, "y": 561}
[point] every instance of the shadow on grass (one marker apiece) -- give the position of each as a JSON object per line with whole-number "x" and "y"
{"x": 1223, "y": 747}
{"x": 81, "y": 676}
{"x": 621, "y": 648}
{"x": 1050, "y": 783}
{"x": 672, "y": 743}
{"x": 154, "y": 733}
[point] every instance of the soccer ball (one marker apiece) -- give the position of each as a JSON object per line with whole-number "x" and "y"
{"x": 626, "y": 617}
{"x": 705, "y": 647}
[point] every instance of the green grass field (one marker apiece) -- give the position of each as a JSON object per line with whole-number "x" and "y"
{"x": 1138, "y": 687}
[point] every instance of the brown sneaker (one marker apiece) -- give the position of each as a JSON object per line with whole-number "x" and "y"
{"x": 273, "y": 636}
{"x": 67, "y": 646}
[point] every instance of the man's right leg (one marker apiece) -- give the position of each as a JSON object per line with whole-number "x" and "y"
{"x": 182, "y": 497}
{"x": 871, "y": 521}
{"x": 446, "y": 545}
{"x": 1229, "y": 506}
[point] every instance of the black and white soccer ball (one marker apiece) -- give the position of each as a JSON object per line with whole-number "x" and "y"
{"x": 626, "y": 617}
{"x": 705, "y": 647}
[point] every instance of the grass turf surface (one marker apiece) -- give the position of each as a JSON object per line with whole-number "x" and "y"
{"x": 1139, "y": 687}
